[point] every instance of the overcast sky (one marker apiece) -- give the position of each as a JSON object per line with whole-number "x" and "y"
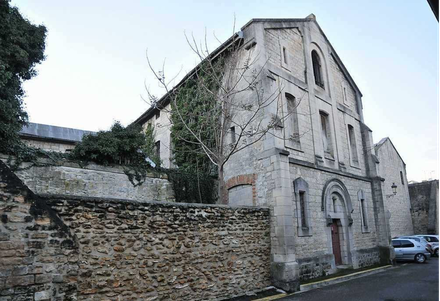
{"x": 95, "y": 69}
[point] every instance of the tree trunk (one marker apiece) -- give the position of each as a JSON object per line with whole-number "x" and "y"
{"x": 222, "y": 192}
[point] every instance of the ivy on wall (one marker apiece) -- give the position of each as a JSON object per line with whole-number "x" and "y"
{"x": 22, "y": 47}
{"x": 197, "y": 109}
{"x": 192, "y": 187}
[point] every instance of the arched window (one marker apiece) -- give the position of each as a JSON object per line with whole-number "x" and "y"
{"x": 317, "y": 69}
{"x": 301, "y": 192}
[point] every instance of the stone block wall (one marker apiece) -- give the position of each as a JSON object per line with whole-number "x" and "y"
{"x": 424, "y": 206}
{"x": 93, "y": 181}
{"x": 291, "y": 40}
{"x": 38, "y": 256}
{"x": 82, "y": 248}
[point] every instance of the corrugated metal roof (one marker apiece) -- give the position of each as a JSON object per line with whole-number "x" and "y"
{"x": 46, "y": 131}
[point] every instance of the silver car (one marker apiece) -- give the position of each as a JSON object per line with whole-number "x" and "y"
{"x": 433, "y": 240}
{"x": 420, "y": 240}
{"x": 410, "y": 249}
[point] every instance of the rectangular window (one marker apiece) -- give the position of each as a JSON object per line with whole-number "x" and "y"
{"x": 302, "y": 205}
{"x": 345, "y": 95}
{"x": 353, "y": 149}
{"x": 325, "y": 133}
{"x": 293, "y": 128}
{"x": 284, "y": 55}
{"x": 303, "y": 222}
{"x": 157, "y": 146}
{"x": 401, "y": 178}
{"x": 233, "y": 135}
{"x": 364, "y": 213}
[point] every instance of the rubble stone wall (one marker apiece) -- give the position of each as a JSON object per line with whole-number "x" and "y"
{"x": 82, "y": 248}
{"x": 424, "y": 203}
{"x": 179, "y": 252}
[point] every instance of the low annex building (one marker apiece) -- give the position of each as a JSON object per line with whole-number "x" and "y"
{"x": 50, "y": 137}
{"x": 326, "y": 187}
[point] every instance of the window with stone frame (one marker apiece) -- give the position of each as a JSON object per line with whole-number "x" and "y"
{"x": 363, "y": 210}
{"x": 344, "y": 94}
{"x": 352, "y": 145}
{"x": 401, "y": 178}
{"x": 317, "y": 69}
{"x": 157, "y": 148}
{"x": 232, "y": 135}
{"x": 284, "y": 54}
{"x": 301, "y": 193}
{"x": 325, "y": 134}
{"x": 292, "y": 126}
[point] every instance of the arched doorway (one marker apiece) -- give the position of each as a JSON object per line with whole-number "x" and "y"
{"x": 336, "y": 204}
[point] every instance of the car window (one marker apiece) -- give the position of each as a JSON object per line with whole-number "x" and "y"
{"x": 431, "y": 238}
{"x": 406, "y": 244}
{"x": 396, "y": 243}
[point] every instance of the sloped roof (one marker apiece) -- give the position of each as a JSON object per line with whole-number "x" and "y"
{"x": 51, "y": 132}
{"x": 164, "y": 100}
{"x": 382, "y": 142}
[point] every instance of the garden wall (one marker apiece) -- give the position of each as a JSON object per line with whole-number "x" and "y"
{"x": 92, "y": 180}
{"x": 67, "y": 247}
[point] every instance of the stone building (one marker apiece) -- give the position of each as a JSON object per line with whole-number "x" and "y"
{"x": 324, "y": 186}
{"x": 51, "y": 138}
{"x": 392, "y": 169}
{"x": 424, "y": 203}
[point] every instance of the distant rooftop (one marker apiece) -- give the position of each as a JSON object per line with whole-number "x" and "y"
{"x": 51, "y": 132}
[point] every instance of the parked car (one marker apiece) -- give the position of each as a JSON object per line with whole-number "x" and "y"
{"x": 410, "y": 249}
{"x": 421, "y": 240}
{"x": 433, "y": 240}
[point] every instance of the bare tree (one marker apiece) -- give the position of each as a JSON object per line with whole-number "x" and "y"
{"x": 227, "y": 89}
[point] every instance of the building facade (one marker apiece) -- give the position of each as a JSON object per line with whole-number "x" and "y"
{"x": 317, "y": 169}
{"x": 392, "y": 169}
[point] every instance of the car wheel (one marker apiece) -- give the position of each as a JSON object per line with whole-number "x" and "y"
{"x": 436, "y": 252}
{"x": 420, "y": 258}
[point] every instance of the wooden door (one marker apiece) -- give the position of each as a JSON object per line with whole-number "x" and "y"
{"x": 336, "y": 243}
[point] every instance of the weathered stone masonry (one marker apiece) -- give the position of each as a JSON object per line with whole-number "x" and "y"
{"x": 100, "y": 249}
{"x": 38, "y": 256}
{"x": 424, "y": 202}
{"x": 92, "y": 180}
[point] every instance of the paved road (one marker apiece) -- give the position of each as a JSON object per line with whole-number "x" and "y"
{"x": 408, "y": 281}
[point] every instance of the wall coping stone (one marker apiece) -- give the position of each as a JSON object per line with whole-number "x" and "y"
{"x": 118, "y": 169}
{"x": 164, "y": 204}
